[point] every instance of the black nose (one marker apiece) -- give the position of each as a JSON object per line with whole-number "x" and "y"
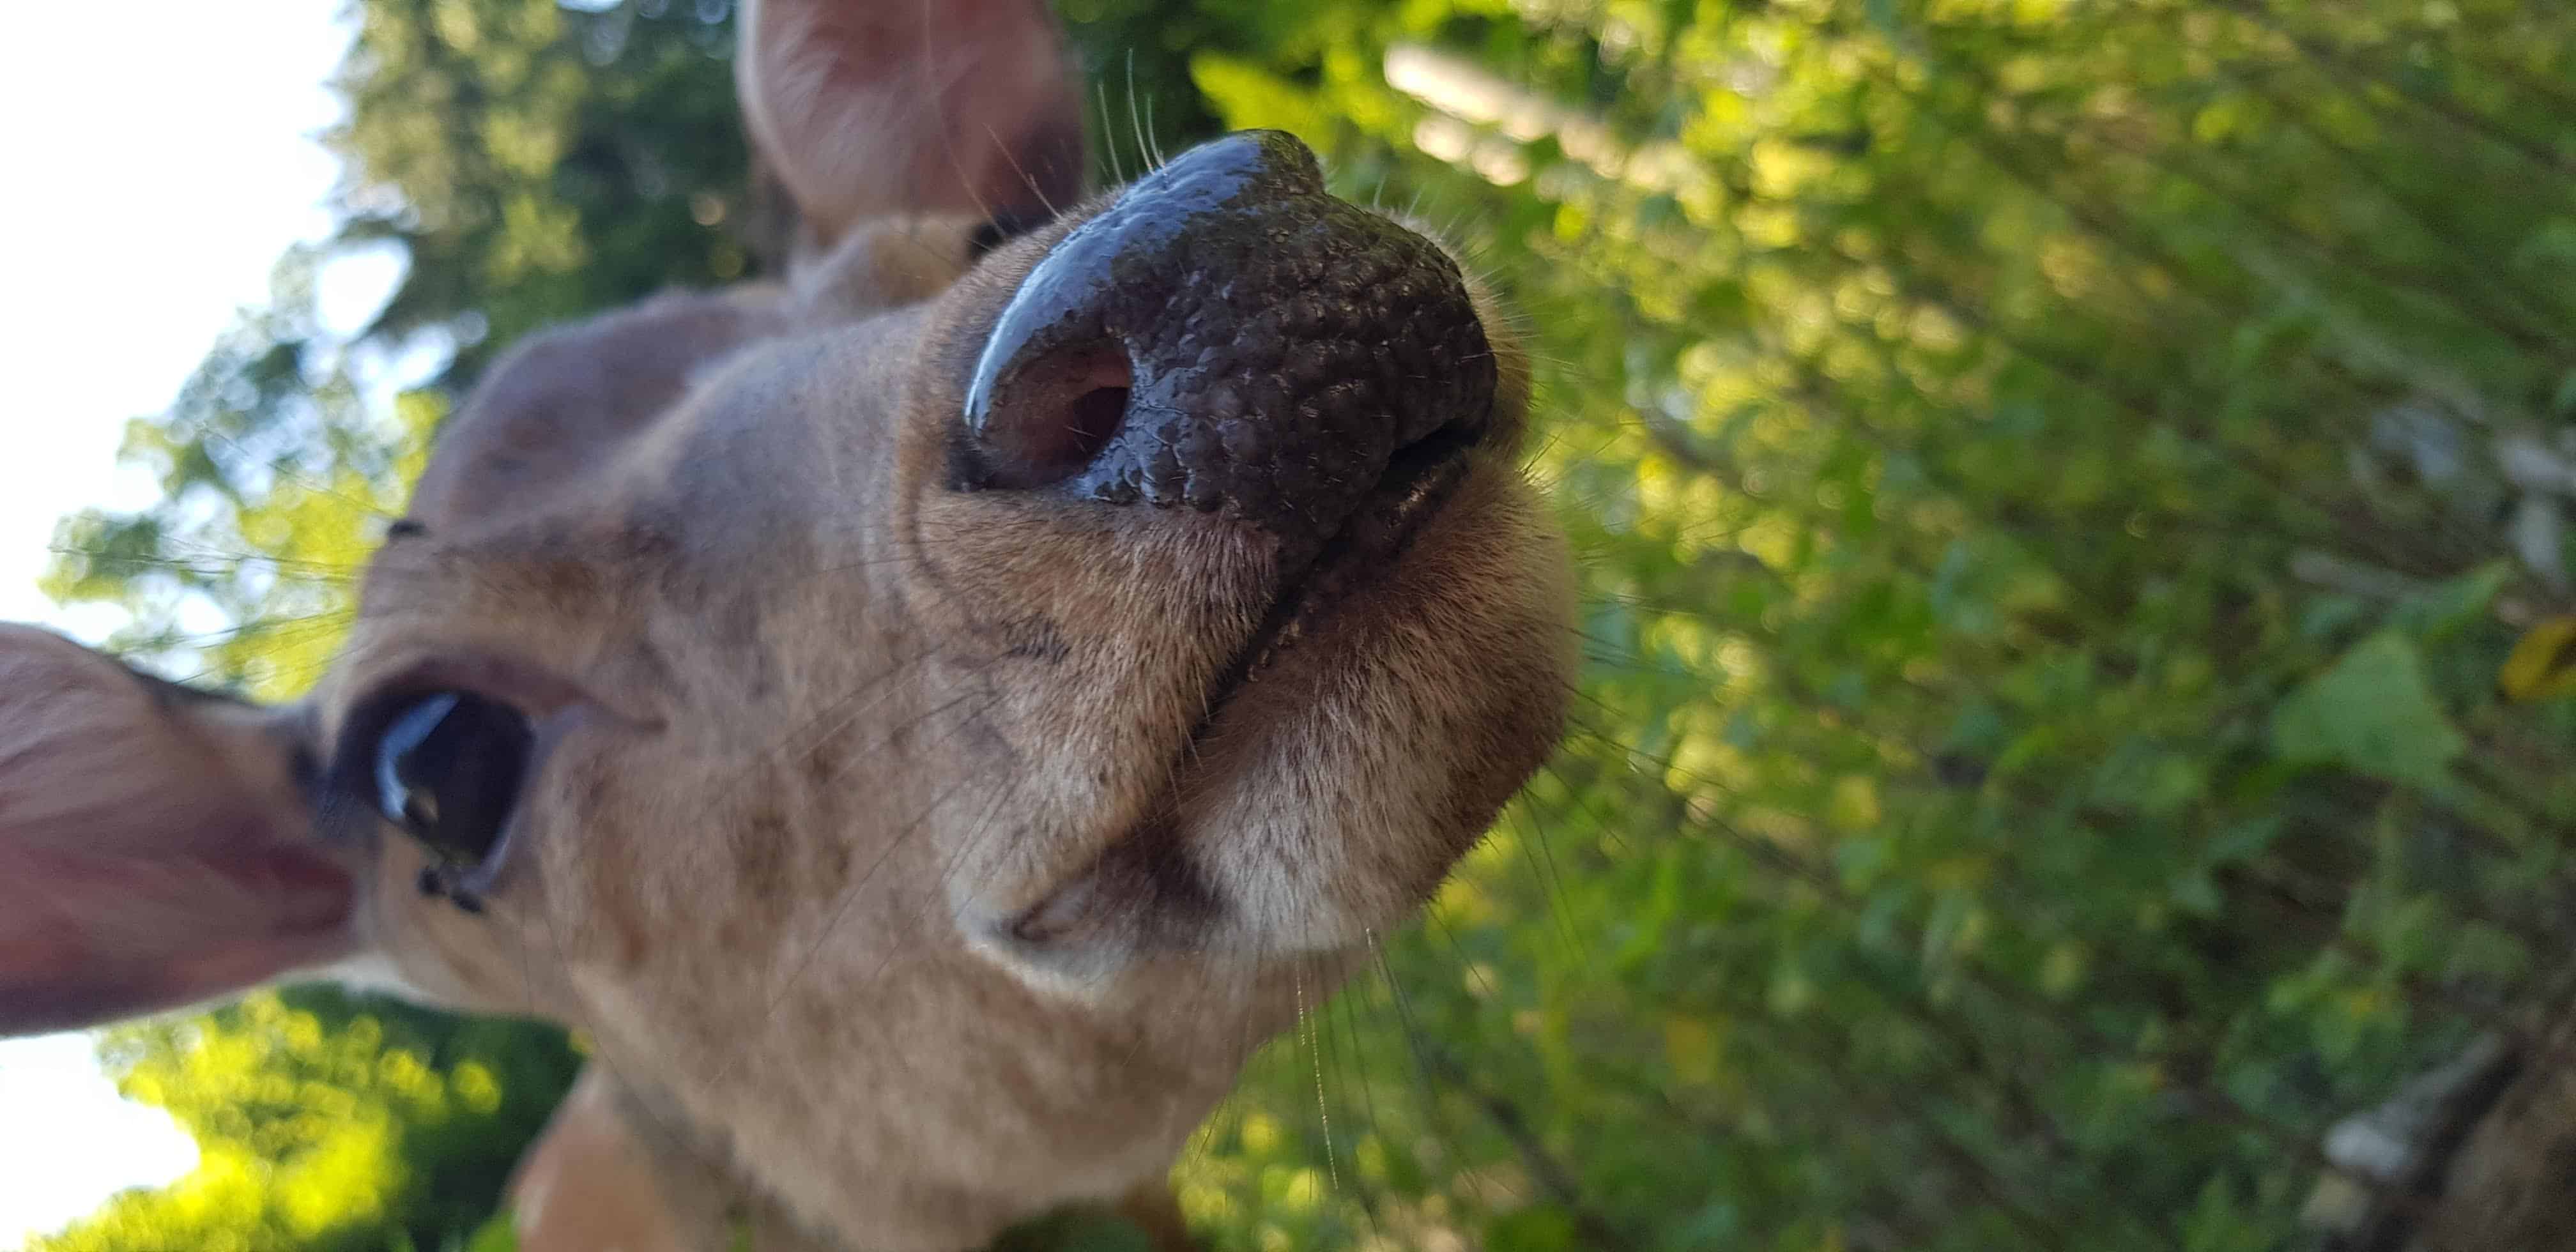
{"x": 1228, "y": 336}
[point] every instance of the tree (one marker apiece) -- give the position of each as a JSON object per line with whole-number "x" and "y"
{"x": 2056, "y": 486}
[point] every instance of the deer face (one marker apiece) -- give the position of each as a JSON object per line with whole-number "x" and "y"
{"x": 927, "y": 721}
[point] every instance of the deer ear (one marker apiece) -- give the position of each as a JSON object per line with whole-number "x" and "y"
{"x": 155, "y": 842}
{"x": 876, "y": 108}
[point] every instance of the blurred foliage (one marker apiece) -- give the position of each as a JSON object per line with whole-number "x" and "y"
{"x": 327, "y": 1122}
{"x": 2056, "y": 484}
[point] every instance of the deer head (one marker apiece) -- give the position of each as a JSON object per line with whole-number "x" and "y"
{"x": 926, "y": 719}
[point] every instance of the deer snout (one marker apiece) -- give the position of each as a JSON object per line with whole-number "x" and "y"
{"x": 1226, "y": 335}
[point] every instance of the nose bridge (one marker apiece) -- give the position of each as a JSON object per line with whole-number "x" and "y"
{"x": 1275, "y": 346}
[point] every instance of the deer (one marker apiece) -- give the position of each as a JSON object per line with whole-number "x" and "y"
{"x": 925, "y": 717}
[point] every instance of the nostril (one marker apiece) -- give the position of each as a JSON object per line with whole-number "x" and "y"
{"x": 1094, "y": 415}
{"x": 1051, "y": 418}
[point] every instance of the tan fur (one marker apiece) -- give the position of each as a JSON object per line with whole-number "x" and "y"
{"x": 843, "y": 847}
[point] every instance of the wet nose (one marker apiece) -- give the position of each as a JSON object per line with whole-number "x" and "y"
{"x": 1227, "y": 336}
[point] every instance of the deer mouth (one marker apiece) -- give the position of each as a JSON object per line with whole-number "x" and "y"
{"x": 1351, "y": 562}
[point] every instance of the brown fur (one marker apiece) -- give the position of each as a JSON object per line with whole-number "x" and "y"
{"x": 889, "y": 841}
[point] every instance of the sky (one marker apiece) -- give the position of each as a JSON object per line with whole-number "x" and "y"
{"x": 170, "y": 157}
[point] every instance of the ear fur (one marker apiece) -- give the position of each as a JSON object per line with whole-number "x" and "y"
{"x": 155, "y": 842}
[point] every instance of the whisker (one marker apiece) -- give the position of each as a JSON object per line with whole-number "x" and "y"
{"x": 1144, "y": 147}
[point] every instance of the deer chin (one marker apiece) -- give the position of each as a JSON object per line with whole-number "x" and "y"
{"x": 1402, "y": 687}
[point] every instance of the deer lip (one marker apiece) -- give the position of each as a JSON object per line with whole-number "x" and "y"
{"x": 1418, "y": 482}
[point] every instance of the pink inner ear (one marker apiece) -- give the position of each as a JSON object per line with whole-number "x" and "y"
{"x": 91, "y": 937}
{"x": 874, "y": 108}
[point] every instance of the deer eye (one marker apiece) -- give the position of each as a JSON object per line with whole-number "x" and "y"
{"x": 447, "y": 769}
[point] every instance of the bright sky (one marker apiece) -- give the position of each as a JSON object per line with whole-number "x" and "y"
{"x": 163, "y": 158}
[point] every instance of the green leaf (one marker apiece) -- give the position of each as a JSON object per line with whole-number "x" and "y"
{"x": 495, "y": 1235}
{"x": 2438, "y": 613}
{"x": 1540, "y": 1229}
{"x": 1076, "y": 1230}
{"x": 2374, "y": 713}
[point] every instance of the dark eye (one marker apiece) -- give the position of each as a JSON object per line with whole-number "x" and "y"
{"x": 448, "y": 768}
